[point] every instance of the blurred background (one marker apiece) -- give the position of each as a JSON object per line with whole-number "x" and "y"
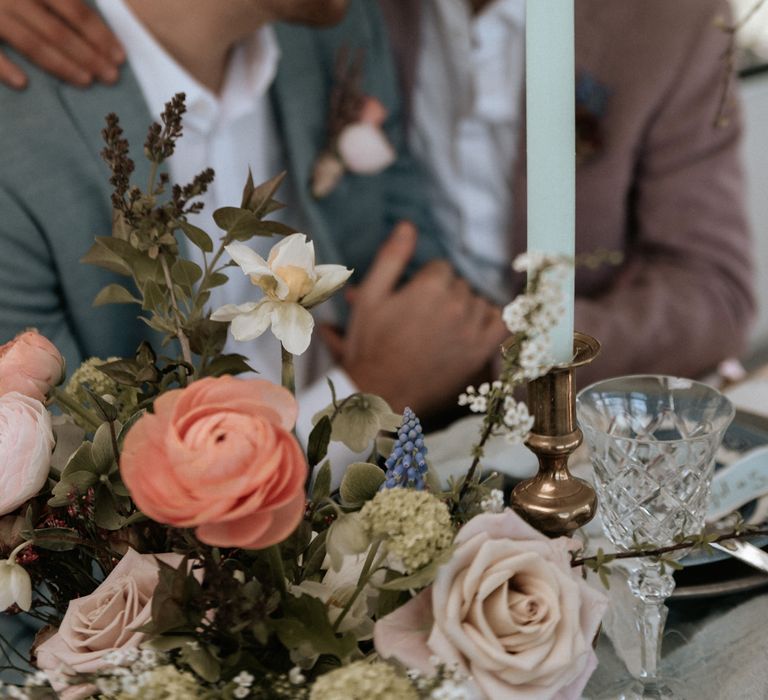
{"x": 753, "y": 65}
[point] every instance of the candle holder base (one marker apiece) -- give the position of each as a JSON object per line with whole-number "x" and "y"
{"x": 554, "y": 501}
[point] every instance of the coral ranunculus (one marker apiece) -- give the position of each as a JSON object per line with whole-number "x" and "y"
{"x": 30, "y": 364}
{"x": 219, "y": 456}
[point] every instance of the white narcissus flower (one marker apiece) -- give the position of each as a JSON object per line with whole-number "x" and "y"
{"x": 291, "y": 282}
{"x": 15, "y": 584}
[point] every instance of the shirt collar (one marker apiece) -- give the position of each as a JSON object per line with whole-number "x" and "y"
{"x": 251, "y": 70}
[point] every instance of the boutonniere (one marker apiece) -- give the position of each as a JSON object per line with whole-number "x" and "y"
{"x": 591, "y": 102}
{"x": 357, "y": 142}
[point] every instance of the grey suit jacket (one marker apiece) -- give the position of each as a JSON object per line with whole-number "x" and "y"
{"x": 54, "y": 191}
{"x": 666, "y": 187}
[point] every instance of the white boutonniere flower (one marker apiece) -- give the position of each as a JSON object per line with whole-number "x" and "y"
{"x": 291, "y": 283}
{"x": 357, "y": 142}
{"x": 15, "y": 584}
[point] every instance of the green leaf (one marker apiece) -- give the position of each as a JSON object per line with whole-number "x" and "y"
{"x": 105, "y": 410}
{"x": 115, "y": 294}
{"x": 319, "y": 438}
{"x": 419, "y": 579}
{"x": 315, "y": 555}
{"x": 216, "y": 279}
{"x": 322, "y": 486}
{"x": 154, "y": 298}
{"x": 247, "y": 190}
{"x": 81, "y": 460}
{"x": 105, "y": 510}
{"x": 227, "y": 364}
{"x": 261, "y": 198}
{"x": 56, "y": 539}
{"x": 306, "y": 623}
{"x": 112, "y": 254}
{"x": 226, "y": 217}
{"x": 207, "y": 336}
{"x": 197, "y": 236}
{"x": 102, "y": 450}
{"x": 202, "y": 662}
{"x": 186, "y": 273}
{"x": 358, "y": 420}
{"x": 360, "y": 483}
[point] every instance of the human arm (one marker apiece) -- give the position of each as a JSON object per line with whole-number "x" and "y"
{"x": 66, "y": 38}
{"x": 683, "y": 299}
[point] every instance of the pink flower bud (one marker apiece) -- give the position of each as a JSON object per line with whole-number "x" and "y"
{"x": 373, "y": 111}
{"x": 31, "y": 365}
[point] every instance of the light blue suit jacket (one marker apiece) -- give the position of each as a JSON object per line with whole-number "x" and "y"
{"x": 54, "y": 190}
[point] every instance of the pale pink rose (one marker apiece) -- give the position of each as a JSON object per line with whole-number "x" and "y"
{"x": 327, "y": 172}
{"x": 508, "y": 608}
{"x": 104, "y": 621}
{"x": 30, "y": 364}
{"x": 364, "y": 149}
{"x": 373, "y": 111}
{"x": 26, "y": 445}
{"x": 219, "y": 456}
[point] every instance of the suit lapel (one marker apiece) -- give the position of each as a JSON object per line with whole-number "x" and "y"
{"x": 299, "y": 96}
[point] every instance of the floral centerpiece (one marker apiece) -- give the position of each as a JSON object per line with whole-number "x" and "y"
{"x": 174, "y": 540}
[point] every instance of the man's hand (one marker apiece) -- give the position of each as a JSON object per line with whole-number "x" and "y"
{"x": 64, "y": 37}
{"x": 417, "y": 345}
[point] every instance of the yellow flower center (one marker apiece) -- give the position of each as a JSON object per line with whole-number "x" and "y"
{"x": 298, "y": 280}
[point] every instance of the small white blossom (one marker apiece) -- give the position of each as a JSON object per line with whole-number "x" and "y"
{"x": 244, "y": 679}
{"x": 296, "y": 677}
{"x": 241, "y": 692}
{"x": 494, "y": 503}
{"x": 517, "y": 420}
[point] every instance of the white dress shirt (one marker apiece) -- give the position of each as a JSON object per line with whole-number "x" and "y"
{"x": 230, "y": 133}
{"x": 466, "y": 119}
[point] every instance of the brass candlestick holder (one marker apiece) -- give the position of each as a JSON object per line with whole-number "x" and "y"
{"x": 554, "y": 501}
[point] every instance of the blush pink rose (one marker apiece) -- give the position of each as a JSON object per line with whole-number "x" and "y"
{"x": 219, "y": 456}
{"x": 104, "y": 621}
{"x": 26, "y": 445}
{"x": 508, "y": 609}
{"x": 30, "y": 364}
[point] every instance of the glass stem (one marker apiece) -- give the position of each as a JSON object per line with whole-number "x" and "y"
{"x": 652, "y": 587}
{"x": 650, "y": 621}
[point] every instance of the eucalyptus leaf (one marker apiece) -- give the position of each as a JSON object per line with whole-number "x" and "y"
{"x": 115, "y": 294}
{"x": 102, "y": 450}
{"x": 57, "y": 539}
{"x": 105, "y": 513}
{"x": 360, "y": 483}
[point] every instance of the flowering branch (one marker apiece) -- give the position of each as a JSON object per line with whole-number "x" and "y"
{"x": 693, "y": 541}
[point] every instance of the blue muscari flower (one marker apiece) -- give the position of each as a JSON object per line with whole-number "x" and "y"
{"x": 407, "y": 463}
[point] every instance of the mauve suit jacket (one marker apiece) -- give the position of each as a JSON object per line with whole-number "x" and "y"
{"x": 666, "y": 188}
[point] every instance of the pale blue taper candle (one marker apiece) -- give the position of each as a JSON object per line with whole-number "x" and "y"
{"x": 551, "y": 145}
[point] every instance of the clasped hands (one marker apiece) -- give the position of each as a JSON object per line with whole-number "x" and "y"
{"x": 417, "y": 344}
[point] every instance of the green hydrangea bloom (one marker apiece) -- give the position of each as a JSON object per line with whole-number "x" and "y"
{"x": 415, "y": 526}
{"x": 87, "y": 375}
{"x": 363, "y": 681}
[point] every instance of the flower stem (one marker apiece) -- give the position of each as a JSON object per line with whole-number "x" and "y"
{"x": 288, "y": 375}
{"x": 368, "y": 570}
{"x": 186, "y": 351}
{"x": 72, "y": 406}
{"x": 278, "y": 570}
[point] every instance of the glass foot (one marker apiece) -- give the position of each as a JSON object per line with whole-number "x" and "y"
{"x": 637, "y": 690}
